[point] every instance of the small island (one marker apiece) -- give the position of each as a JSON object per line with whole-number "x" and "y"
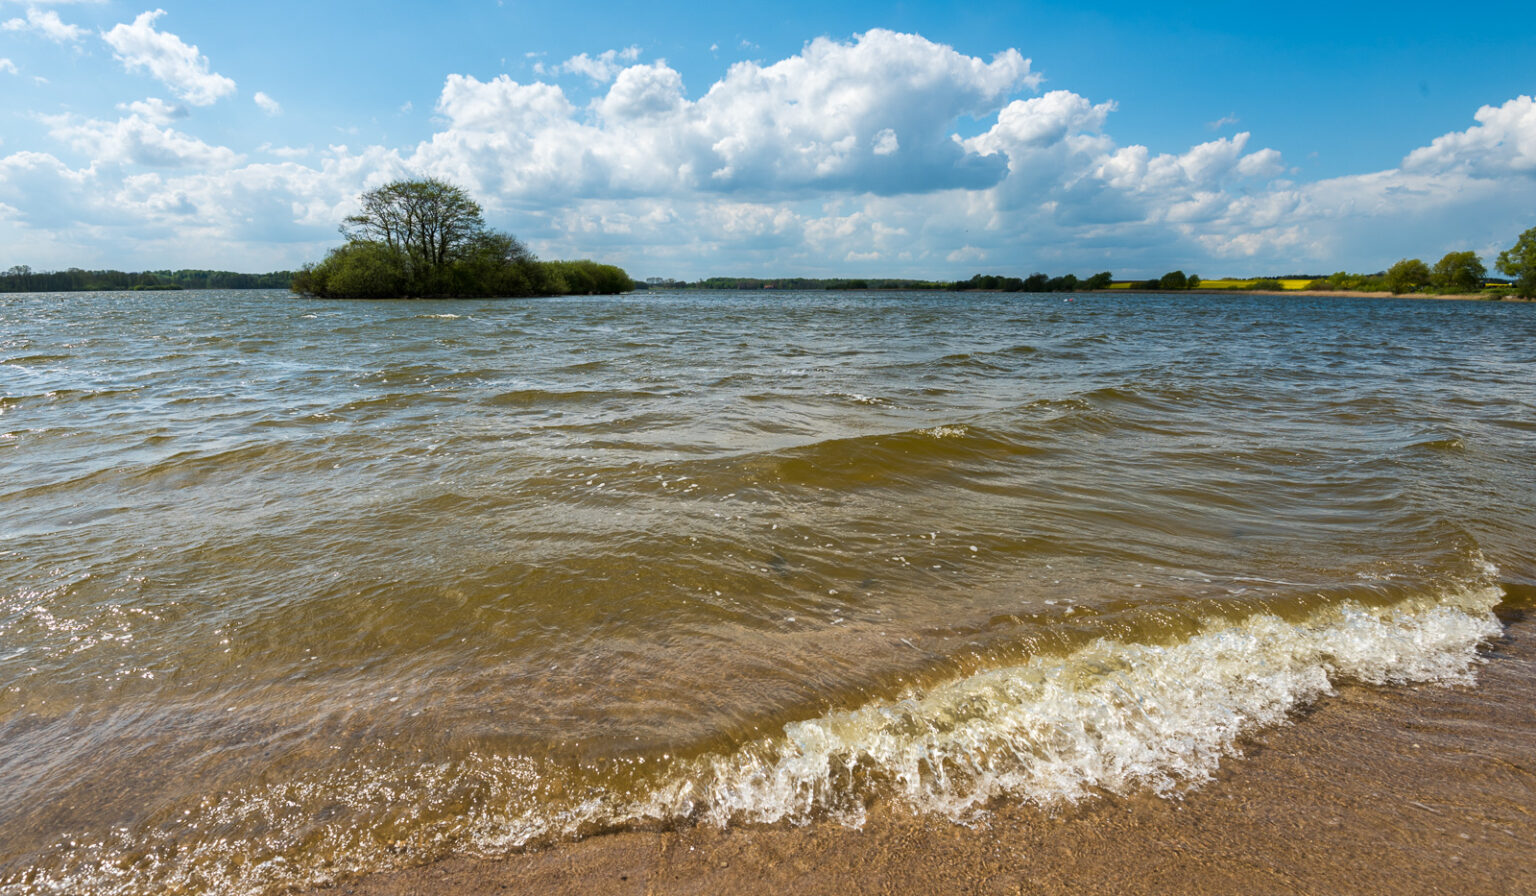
{"x": 428, "y": 239}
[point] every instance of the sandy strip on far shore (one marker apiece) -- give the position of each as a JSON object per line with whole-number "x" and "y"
{"x": 1411, "y": 790}
{"x": 1344, "y": 294}
{"x": 1329, "y": 293}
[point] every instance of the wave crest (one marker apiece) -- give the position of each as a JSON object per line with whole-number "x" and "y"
{"x": 1112, "y": 716}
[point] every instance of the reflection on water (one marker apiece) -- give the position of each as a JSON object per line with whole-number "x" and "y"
{"x": 292, "y": 588}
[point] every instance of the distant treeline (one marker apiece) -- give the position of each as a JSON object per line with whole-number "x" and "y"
{"x": 1034, "y": 283}
{"x": 1455, "y": 273}
{"x": 465, "y": 258}
{"x": 23, "y": 279}
{"x": 993, "y": 282}
{"x": 791, "y": 283}
{"x": 1405, "y": 277}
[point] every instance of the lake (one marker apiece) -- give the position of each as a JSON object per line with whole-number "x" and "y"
{"x": 296, "y": 589}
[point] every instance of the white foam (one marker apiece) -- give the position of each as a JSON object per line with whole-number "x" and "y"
{"x": 1113, "y": 716}
{"x": 946, "y": 432}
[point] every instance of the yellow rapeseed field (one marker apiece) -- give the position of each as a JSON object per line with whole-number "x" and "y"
{"x": 1227, "y": 283}
{"x": 1230, "y": 283}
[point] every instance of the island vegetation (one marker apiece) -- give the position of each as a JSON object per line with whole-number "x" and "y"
{"x": 428, "y": 239}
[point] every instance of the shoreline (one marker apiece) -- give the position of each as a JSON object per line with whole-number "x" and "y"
{"x": 1327, "y": 293}
{"x": 1375, "y": 790}
{"x": 1345, "y": 294}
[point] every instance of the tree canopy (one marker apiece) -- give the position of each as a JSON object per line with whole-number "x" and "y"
{"x": 1519, "y": 261}
{"x": 428, "y": 239}
{"x": 1173, "y": 280}
{"x": 1462, "y": 271}
{"x": 22, "y": 278}
{"x": 428, "y": 223}
{"x": 1408, "y": 275}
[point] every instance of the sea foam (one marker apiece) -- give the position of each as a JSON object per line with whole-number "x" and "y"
{"x": 1112, "y": 716}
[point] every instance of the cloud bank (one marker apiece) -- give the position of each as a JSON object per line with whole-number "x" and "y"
{"x": 886, "y": 153}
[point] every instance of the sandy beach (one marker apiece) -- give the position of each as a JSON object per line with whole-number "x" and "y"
{"x": 1373, "y": 791}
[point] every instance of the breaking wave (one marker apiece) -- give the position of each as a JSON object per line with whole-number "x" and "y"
{"x": 1111, "y": 716}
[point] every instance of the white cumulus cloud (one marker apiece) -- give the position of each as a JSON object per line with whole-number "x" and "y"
{"x": 166, "y": 57}
{"x": 831, "y": 117}
{"x": 267, "y": 104}
{"x": 47, "y": 23}
{"x": 154, "y": 110}
{"x": 1503, "y": 142}
{"x": 602, "y": 68}
{"x": 138, "y": 139}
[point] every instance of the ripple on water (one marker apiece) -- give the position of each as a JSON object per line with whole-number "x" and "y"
{"x": 355, "y": 584}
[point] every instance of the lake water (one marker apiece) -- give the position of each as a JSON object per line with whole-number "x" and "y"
{"x": 293, "y": 589}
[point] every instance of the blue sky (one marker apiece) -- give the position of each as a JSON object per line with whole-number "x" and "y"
{"x": 796, "y": 138}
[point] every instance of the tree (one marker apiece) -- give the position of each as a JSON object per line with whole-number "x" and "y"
{"x": 1101, "y": 280}
{"x": 430, "y": 223}
{"x": 1519, "y": 261}
{"x": 1459, "y": 270}
{"x": 1408, "y": 275}
{"x": 1064, "y": 283}
{"x": 1173, "y": 280}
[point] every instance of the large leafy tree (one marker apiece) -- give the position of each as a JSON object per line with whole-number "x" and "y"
{"x": 1459, "y": 270}
{"x": 431, "y": 223}
{"x": 1519, "y": 261}
{"x": 1408, "y": 275}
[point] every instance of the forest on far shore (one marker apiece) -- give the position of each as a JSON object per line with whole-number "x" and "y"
{"x": 22, "y": 278}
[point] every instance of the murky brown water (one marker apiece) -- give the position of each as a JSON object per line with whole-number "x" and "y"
{"x": 289, "y": 589}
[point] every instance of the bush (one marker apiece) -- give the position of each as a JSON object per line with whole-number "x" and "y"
{"x": 363, "y": 270}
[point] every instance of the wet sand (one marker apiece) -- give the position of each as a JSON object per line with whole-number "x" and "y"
{"x": 1414, "y": 790}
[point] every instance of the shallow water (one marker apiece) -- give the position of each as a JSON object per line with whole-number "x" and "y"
{"x": 290, "y": 589}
